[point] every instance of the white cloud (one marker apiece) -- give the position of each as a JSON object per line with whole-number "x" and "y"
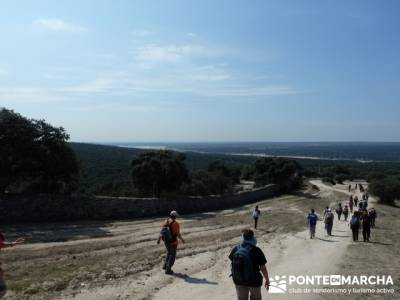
{"x": 95, "y": 86}
{"x": 191, "y": 34}
{"x": 54, "y": 24}
{"x": 209, "y": 73}
{"x": 3, "y": 72}
{"x": 170, "y": 53}
{"x": 117, "y": 107}
{"x": 142, "y": 32}
{"x": 252, "y": 91}
{"x": 29, "y": 95}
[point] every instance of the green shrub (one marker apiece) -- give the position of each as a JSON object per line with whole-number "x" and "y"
{"x": 387, "y": 189}
{"x": 329, "y": 180}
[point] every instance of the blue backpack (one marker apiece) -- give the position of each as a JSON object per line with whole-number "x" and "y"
{"x": 355, "y": 221}
{"x": 243, "y": 272}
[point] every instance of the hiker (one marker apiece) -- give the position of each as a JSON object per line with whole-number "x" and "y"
{"x": 349, "y": 188}
{"x": 339, "y": 210}
{"x": 326, "y": 211}
{"x": 312, "y": 219}
{"x": 170, "y": 233}
{"x": 345, "y": 212}
{"x": 372, "y": 214}
{"x": 5, "y": 244}
{"x": 355, "y": 225}
{"x": 256, "y": 215}
{"x": 329, "y": 221}
{"x": 356, "y": 186}
{"x": 355, "y": 200}
{"x": 366, "y": 225}
{"x": 360, "y": 206}
{"x": 247, "y": 261}
{"x": 365, "y": 204}
{"x": 351, "y": 204}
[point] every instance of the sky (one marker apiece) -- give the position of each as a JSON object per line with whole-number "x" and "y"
{"x": 174, "y": 71}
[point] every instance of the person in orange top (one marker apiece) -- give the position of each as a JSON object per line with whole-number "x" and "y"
{"x": 4, "y": 244}
{"x": 170, "y": 233}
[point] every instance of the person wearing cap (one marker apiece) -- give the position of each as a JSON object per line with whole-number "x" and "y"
{"x": 172, "y": 245}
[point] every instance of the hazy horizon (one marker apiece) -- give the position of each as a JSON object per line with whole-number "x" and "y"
{"x": 242, "y": 141}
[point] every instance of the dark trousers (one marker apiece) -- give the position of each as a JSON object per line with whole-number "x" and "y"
{"x": 339, "y": 215}
{"x": 171, "y": 255}
{"x": 312, "y": 230}
{"x": 355, "y": 233}
{"x": 328, "y": 227}
{"x": 366, "y": 233}
{"x": 255, "y": 222}
{"x": 372, "y": 222}
{"x": 3, "y": 287}
{"x": 345, "y": 216}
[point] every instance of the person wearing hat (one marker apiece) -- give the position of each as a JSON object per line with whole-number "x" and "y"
{"x": 170, "y": 233}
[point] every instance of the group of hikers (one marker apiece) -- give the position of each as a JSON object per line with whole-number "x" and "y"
{"x": 362, "y": 218}
{"x": 248, "y": 262}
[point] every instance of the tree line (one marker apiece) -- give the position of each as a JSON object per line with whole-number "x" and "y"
{"x": 37, "y": 158}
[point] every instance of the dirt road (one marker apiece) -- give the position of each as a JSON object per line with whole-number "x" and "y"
{"x": 120, "y": 260}
{"x": 293, "y": 254}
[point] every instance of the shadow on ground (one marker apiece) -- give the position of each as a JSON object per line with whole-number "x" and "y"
{"x": 56, "y": 232}
{"x": 194, "y": 280}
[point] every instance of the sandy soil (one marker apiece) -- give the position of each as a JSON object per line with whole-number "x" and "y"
{"x": 121, "y": 260}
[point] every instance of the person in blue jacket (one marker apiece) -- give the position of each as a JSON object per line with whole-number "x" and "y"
{"x": 312, "y": 219}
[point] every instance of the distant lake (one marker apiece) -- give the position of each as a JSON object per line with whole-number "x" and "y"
{"x": 356, "y": 151}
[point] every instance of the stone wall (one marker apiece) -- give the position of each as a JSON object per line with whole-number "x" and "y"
{"x": 44, "y": 208}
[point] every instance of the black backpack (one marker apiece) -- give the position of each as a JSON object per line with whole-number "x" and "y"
{"x": 243, "y": 272}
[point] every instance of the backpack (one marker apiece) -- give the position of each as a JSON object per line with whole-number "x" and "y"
{"x": 256, "y": 214}
{"x": 329, "y": 217}
{"x": 243, "y": 272}
{"x": 354, "y": 222}
{"x": 166, "y": 233}
{"x": 312, "y": 219}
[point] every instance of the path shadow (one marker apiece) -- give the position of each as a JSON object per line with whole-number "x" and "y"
{"x": 342, "y": 236}
{"x": 325, "y": 240}
{"x": 380, "y": 243}
{"x": 57, "y": 231}
{"x": 194, "y": 280}
{"x": 304, "y": 195}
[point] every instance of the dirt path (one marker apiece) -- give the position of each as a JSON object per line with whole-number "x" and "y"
{"x": 287, "y": 255}
{"x": 122, "y": 260}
